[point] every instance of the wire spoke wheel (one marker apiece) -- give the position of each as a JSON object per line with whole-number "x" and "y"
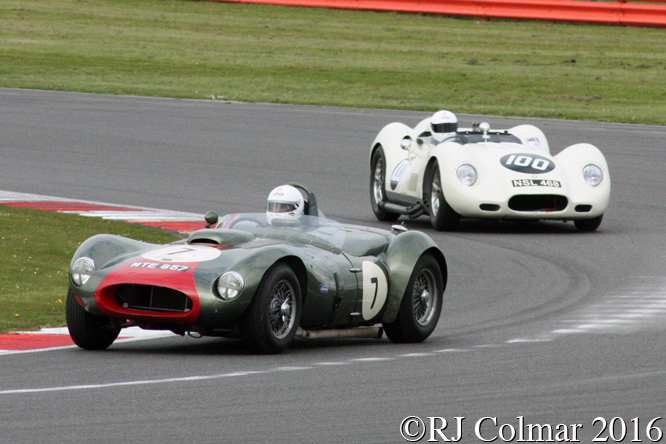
{"x": 421, "y": 303}
{"x": 442, "y": 216}
{"x": 436, "y": 193}
{"x": 282, "y": 311}
{"x": 424, "y": 301}
{"x": 377, "y": 187}
{"x": 269, "y": 324}
{"x": 378, "y": 183}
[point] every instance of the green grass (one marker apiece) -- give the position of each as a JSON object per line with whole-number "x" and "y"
{"x": 37, "y": 247}
{"x": 262, "y": 53}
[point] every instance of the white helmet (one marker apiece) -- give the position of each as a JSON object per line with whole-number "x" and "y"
{"x": 443, "y": 122}
{"x": 285, "y": 202}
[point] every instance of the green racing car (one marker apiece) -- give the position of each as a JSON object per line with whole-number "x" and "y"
{"x": 262, "y": 279}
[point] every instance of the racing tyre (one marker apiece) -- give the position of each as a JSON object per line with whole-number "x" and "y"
{"x": 587, "y": 225}
{"x": 421, "y": 304}
{"x": 270, "y": 322}
{"x": 442, "y": 216}
{"x": 88, "y": 331}
{"x": 377, "y": 181}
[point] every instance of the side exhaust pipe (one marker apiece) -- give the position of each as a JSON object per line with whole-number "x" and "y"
{"x": 413, "y": 212}
{"x": 359, "y": 332}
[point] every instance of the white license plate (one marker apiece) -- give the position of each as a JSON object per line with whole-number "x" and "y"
{"x": 536, "y": 183}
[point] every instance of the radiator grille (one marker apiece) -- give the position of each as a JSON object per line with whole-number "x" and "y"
{"x": 152, "y": 298}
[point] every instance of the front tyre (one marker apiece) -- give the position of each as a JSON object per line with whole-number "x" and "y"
{"x": 377, "y": 187}
{"x": 88, "y": 331}
{"x": 587, "y": 225}
{"x": 442, "y": 216}
{"x": 421, "y": 304}
{"x": 270, "y": 322}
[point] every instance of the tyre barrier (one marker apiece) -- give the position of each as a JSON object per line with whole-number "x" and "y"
{"x": 615, "y": 13}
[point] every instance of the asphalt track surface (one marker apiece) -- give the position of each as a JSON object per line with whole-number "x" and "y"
{"x": 540, "y": 322}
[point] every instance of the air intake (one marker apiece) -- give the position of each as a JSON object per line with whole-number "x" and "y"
{"x": 152, "y": 299}
{"x": 489, "y": 207}
{"x": 538, "y": 203}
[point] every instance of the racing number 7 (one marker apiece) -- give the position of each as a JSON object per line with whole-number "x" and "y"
{"x": 374, "y": 299}
{"x": 182, "y": 250}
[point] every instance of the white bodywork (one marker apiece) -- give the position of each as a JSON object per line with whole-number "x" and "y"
{"x": 504, "y": 170}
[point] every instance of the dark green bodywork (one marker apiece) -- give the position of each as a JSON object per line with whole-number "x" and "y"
{"x": 328, "y": 268}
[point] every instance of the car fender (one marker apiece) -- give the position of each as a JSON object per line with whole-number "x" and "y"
{"x": 573, "y": 160}
{"x": 389, "y": 138}
{"x": 252, "y": 267}
{"x": 107, "y": 249}
{"x": 402, "y": 254}
{"x": 107, "y": 252}
{"x": 462, "y": 198}
{"x": 531, "y": 136}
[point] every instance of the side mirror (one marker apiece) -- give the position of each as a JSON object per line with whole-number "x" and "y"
{"x": 405, "y": 143}
{"x": 211, "y": 218}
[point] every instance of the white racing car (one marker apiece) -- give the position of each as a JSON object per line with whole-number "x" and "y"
{"x": 446, "y": 172}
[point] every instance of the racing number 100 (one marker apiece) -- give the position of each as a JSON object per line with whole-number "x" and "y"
{"x": 523, "y": 161}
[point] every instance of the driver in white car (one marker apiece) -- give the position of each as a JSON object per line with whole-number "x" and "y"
{"x": 443, "y": 124}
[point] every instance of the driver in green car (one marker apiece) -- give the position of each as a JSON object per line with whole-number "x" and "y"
{"x": 286, "y": 203}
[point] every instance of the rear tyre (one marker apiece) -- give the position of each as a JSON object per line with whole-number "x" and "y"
{"x": 88, "y": 331}
{"x": 270, "y": 322}
{"x": 442, "y": 216}
{"x": 377, "y": 187}
{"x": 421, "y": 304}
{"x": 586, "y": 225}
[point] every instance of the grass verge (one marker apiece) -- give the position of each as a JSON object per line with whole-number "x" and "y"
{"x": 263, "y": 53}
{"x": 37, "y": 247}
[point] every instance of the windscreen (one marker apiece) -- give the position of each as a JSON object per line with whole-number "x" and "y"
{"x": 317, "y": 231}
{"x": 465, "y": 138}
